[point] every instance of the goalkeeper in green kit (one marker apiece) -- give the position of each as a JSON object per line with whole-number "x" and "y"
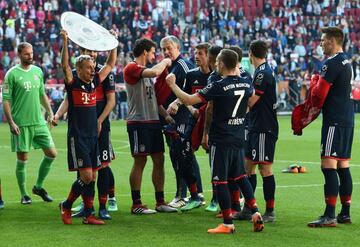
{"x": 23, "y": 96}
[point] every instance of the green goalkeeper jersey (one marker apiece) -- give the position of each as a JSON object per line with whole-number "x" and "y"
{"x": 23, "y": 89}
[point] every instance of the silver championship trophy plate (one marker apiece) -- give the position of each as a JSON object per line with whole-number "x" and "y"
{"x": 86, "y": 33}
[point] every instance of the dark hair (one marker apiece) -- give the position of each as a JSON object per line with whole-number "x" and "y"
{"x": 22, "y": 45}
{"x": 334, "y": 32}
{"x": 214, "y": 50}
{"x": 203, "y": 46}
{"x": 229, "y": 58}
{"x": 258, "y": 48}
{"x": 238, "y": 51}
{"x": 142, "y": 45}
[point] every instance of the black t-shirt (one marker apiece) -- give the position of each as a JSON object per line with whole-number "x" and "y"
{"x": 179, "y": 67}
{"x": 194, "y": 81}
{"x": 213, "y": 77}
{"x": 230, "y": 98}
{"x": 262, "y": 116}
{"x": 338, "y": 108}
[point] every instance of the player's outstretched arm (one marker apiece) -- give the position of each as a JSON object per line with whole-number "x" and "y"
{"x": 109, "y": 65}
{"x": 110, "y": 61}
{"x": 157, "y": 69}
{"x": 187, "y": 99}
{"x": 65, "y": 58}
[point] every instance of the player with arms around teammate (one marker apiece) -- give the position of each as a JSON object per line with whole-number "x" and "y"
{"x": 230, "y": 99}
{"x": 23, "y": 96}
{"x": 331, "y": 92}
{"x": 83, "y": 128}
{"x": 263, "y": 127}
{"x": 143, "y": 124}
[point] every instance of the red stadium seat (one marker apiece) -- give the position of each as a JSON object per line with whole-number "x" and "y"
{"x": 353, "y": 36}
{"x": 358, "y": 12}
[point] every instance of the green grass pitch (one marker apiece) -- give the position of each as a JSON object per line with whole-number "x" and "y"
{"x": 299, "y": 199}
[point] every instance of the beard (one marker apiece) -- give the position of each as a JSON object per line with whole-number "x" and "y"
{"x": 27, "y": 62}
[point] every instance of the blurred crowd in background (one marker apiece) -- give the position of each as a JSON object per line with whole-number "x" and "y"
{"x": 291, "y": 28}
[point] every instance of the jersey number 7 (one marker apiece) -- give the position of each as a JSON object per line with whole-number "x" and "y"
{"x": 241, "y": 96}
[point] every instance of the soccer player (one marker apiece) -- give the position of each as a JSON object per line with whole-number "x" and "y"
{"x": 23, "y": 96}
{"x": 143, "y": 124}
{"x": 330, "y": 92}
{"x": 1, "y": 201}
{"x": 179, "y": 149}
{"x": 195, "y": 80}
{"x": 213, "y": 77}
{"x": 105, "y": 102}
{"x": 230, "y": 98}
{"x": 83, "y": 128}
{"x": 263, "y": 127}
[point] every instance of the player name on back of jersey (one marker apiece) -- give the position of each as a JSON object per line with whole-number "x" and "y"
{"x": 236, "y": 85}
{"x": 236, "y": 121}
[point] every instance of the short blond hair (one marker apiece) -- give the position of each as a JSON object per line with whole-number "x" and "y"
{"x": 80, "y": 59}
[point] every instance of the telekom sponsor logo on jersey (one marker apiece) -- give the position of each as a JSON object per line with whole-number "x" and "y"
{"x": 82, "y": 98}
{"x": 27, "y": 85}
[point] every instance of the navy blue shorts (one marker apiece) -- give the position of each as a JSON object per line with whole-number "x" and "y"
{"x": 83, "y": 153}
{"x": 106, "y": 150}
{"x": 260, "y": 148}
{"x": 145, "y": 141}
{"x": 336, "y": 142}
{"x": 226, "y": 164}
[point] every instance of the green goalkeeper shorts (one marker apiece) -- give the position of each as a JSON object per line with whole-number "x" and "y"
{"x": 36, "y": 136}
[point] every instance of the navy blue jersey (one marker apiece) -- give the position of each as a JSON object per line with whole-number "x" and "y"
{"x": 213, "y": 77}
{"x": 338, "y": 108}
{"x": 194, "y": 81}
{"x": 82, "y": 107}
{"x": 230, "y": 97}
{"x": 247, "y": 76}
{"x": 107, "y": 86}
{"x": 179, "y": 67}
{"x": 262, "y": 116}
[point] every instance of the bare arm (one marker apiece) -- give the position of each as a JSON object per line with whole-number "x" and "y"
{"x": 44, "y": 100}
{"x": 7, "y": 110}
{"x": 109, "y": 65}
{"x": 208, "y": 117}
{"x": 65, "y": 59}
{"x": 110, "y": 104}
{"x": 187, "y": 99}
{"x": 166, "y": 115}
{"x": 157, "y": 69}
{"x": 207, "y": 123}
{"x": 61, "y": 111}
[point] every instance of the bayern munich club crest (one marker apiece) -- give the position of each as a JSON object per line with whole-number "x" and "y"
{"x": 324, "y": 69}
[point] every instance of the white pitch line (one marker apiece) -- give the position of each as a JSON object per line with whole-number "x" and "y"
{"x": 295, "y": 186}
{"x": 119, "y": 150}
